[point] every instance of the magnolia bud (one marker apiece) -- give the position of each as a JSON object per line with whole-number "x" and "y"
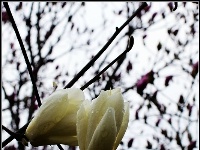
{"x": 55, "y": 121}
{"x": 101, "y": 124}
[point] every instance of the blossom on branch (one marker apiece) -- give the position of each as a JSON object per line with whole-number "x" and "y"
{"x": 101, "y": 124}
{"x": 55, "y": 121}
{"x": 66, "y": 118}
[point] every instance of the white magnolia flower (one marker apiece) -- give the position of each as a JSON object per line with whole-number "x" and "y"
{"x": 55, "y": 121}
{"x": 101, "y": 124}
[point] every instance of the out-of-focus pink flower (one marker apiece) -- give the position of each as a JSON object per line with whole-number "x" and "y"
{"x": 142, "y": 83}
{"x": 195, "y": 69}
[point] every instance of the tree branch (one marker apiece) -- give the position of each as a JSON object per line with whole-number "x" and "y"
{"x": 129, "y": 47}
{"x": 23, "y": 51}
{"x": 118, "y": 30}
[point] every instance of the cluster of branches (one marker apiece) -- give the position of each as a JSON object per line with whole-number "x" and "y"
{"x": 41, "y": 54}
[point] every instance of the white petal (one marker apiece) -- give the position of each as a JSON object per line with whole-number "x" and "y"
{"x": 110, "y": 98}
{"x": 123, "y": 127}
{"x": 75, "y": 95}
{"x": 105, "y": 133}
{"x": 82, "y": 124}
{"x": 116, "y": 101}
{"x": 55, "y": 121}
{"x": 51, "y": 112}
{"x": 67, "y": 126}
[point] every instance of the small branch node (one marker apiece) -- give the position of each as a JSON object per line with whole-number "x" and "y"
{"x": 130, "y": 43}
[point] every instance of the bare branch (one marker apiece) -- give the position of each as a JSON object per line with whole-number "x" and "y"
{"x": 23, "y": 51}
{"x": 89, "y": 64}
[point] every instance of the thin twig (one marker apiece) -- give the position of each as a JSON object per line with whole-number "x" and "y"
{"x": 175, "y": 6}
{"x": 21, "y": 130}
{"x": 17, "y": 136}
{"x": 38, "y": 31}
{"x": 90, "y": 63}
{"x": 23, "y": 51}
{"x": 129, "y": 47}
{"x": 9, "y": 132}
{"x": 60, "y": 147}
